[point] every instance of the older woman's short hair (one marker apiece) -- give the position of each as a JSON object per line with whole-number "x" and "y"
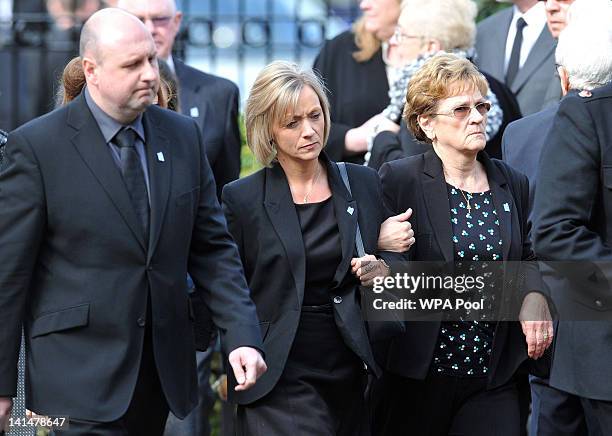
{"x": 585, "y": 45}
{"x": 451, "y": 22}
{"x": 444, "y": 75}
{"x": 275, "y": 93}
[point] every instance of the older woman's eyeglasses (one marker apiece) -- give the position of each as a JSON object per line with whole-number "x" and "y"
{"x": 399, "y": 36}
{"x": 464, "y": 111}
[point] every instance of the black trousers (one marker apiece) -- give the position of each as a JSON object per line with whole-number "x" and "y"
{"x": 147, "y": 412}
{"x": 444, "y": 405}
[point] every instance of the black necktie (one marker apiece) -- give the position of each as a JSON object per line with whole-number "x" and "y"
{"x": 515, "y": 56}
{"x": 133, "y": 175}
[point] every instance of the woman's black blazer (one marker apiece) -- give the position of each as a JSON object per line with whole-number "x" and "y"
{"x": 356, "y": 90}
{"x": 418, "y": 182}
{"x": 263, "y": 221}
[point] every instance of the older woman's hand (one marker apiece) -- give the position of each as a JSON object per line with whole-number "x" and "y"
{"x": 368, "y": 267}
{"x": 396, "y": 233}
{"x": 537, "y": 324}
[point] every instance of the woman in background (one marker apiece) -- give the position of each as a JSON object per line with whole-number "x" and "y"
{"x": 357, "y": 67}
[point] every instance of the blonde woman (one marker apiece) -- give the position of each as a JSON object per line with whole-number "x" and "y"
{"x": 295, "y": 224}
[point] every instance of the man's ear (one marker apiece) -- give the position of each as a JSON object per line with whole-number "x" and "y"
{"x": 426, "y": 124}
{"x": 565, "y": 82}
{"x": 432, "y": 45}
{"x": 90, "y": 70}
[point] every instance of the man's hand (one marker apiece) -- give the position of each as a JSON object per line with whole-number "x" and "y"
{"x": 396, "y": 233}
{"x": 6, "y": 405}
{"x": 366, "y": 268}
{"x": 537, "y": 324}
{"x": 248, "y": 366}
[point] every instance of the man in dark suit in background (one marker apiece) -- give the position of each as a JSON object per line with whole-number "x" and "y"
{"x": 107, "y": 204}
{"x": 516, "y": 47}
{"x": 210, "y": 100}
{"x": 553, "y": 411}
{"x": 571, "y": 214}
{"x": 572, "y": 209}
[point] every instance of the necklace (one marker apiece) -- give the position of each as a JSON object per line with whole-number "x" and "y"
{"x": 314, "y": 182}
{"x": 465, "y": 197}
{"x": 467, "y": 200}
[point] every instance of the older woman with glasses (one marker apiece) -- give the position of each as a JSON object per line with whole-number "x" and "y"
{"x": 423, "y": 29}
{"x": 455, "y": 376}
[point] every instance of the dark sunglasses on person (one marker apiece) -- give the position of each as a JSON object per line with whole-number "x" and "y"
{"x": 464, "y": 111}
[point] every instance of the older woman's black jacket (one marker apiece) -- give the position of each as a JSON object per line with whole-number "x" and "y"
{"x": 262, "y": 218}
{"x": 418, "y": 182}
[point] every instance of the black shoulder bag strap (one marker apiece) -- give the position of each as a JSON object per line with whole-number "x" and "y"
{"x": 358, "y": 239}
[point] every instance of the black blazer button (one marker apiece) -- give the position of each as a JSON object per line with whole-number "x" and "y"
{"x": 337, "y": 299}
{"x": 141, "y": 321}
{"x": 598, "y": 303}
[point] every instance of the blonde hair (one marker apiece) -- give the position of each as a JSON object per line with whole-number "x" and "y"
{"x": 275, "y": 93}
{"x": 451, "y": 22}
{"x": 367, "y": 43}
{"x": 444, "y": 75}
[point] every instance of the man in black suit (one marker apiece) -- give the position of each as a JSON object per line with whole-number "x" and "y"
{"x": 571, "y": 216}
{"x": 210, "y": 100}
{"x": 107, "y": 204}
{"x": 555, "y": 411}
{"x": 572, "y": 224}
{"x": 213, "y": 103}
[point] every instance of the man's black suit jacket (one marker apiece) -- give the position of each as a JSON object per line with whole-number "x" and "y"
{"x": 75, "y": 269}
{"x": 213, "y": 103}
{"x": 523, "y": 141}
{"x": 572, "y": 222}
{"x": 418, "y": 182}
{"x": 262, "y": 218}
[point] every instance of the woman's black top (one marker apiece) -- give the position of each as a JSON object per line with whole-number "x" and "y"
{"x": 322, "y": 248}
{"x": 464, "y": 347}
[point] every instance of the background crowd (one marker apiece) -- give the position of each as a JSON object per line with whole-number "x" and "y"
{"x": 464, "y": 141}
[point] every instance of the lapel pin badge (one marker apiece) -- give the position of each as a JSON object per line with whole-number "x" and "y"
{"x": 350, "y": 210}
{"x": 194, "y": 112}
{"x": 160, "y": 157}
{"x": 506, "y": 207}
